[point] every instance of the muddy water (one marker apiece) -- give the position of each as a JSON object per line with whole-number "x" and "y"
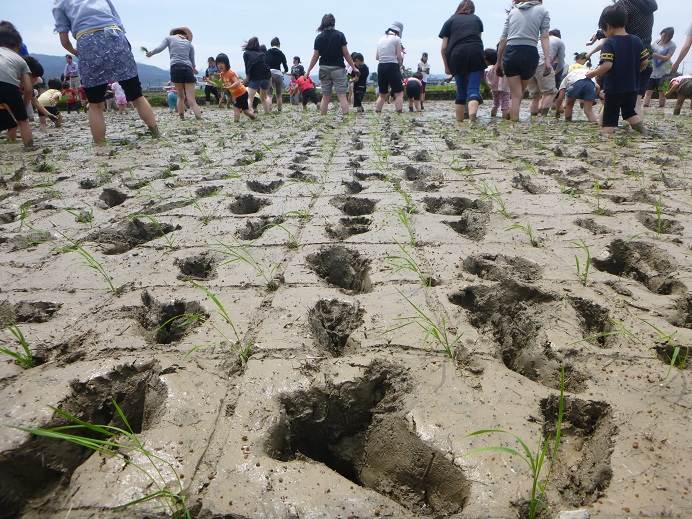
{"x": 273, "y": 285}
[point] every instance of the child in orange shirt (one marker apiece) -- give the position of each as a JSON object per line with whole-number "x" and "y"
{"x": 234, "y": 85}
{"x": 307, "y": 90}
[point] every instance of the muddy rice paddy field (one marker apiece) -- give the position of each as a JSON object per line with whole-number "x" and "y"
{"x": 307, "y": 318}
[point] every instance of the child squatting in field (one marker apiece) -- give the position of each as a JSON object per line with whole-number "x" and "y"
{"x": 16, "y": 87}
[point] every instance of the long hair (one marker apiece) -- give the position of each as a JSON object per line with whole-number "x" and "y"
{"x": 328, "y": 22}
{"x": 668, "y": 32}
{"x": 466, "y": 7}
{"x": 182, "y": 31}
{"x": 252, "y": 44}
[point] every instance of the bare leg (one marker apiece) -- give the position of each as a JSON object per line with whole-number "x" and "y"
{"x": 399, "y": 102}
{"x": 251, "y": 97}
{"x": 588, "y": 111}
{"x": 180, "y": 90}
{"x": 266, "y": 101}
{"x": 569, "y": 108}
{"x": 236, "y": 114}
{"x": 636, "y": 124}
{"x": 146, "y": 114}
{"x": 534, "y": 108}
{"x": 343, "y": 101}
{"x": 419, "y": 105}
{"x": 516, "y": 87}
{"x": 324, "y": 105}
{"x": 380, "y": 102}
{"x": 678, "y": 105}
{"x": 460, "y": 112}
{"x": 547, "y": 102}
{"x": 97, "y": 122}
{"x": 12, "y": 135}
{"x": 27, "y": 136}
{"x": 250, "y": 114}
{"x": 473, "y": 110}
{"x": 647, "y": 98}
{"x": 661, "y": 99}
{"x": 190, "y": 96}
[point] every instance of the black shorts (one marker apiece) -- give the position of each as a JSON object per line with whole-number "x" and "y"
{"x": 53, "y": 110}
{"x": 413, "y": 91}
{"x": 616, "y": 103}
{"x": 389, "y": 78}
{"x": 644, "y": 77}
{"x": 182, "y": 74}
{"x": 520, "y": 60}
{"x": 11, "y": 96}
{"x": 655, "y": 83}
{"x": 132, "y": 88}
{"x": 242, "y": 102}
{"x": 309, "y": 96}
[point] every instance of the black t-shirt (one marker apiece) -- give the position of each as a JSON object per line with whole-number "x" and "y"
{"x": 640, "y": 18}
{"x": 298, "y": 70}
{"x": 364, "y": 75}
{"x": 276, "y": 59}
{"x": 329, "y": 44}
{"x": 626, "y": 53}
{"x": 465, "y": 46}
{"x": 256, "y": 67}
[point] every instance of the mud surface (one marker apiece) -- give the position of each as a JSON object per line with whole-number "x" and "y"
{"x": 283, "y": 293}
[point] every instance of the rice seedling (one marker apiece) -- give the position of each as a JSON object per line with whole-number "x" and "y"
{"x": 182, "y": 322}
{"x": 94, "y": 264}
{"x": 302, "y": 214}
{"x": 406, "y": 262}
{"x": 242, "y": 350}
{"x": 22, "y": 355}
{"x": 404, "y": 215}
{"x": 526, "y": 229}
{"x": 569, "y": 191}
{"x": 292, "y": 239}
{"x": 617, "y": 329}
{"x": 205, "y": 217}
{"x": 597, "y": 191}
{"x": 669, "y": 340}
{"x": 241, "y": 254}
{"x": 547, "y": 449}
{"x": 23, "y": 215}
{"x": 492, "y": 194}
{"x": 458, "y": 166}
{"x": 85, "y": 216}
{"x": 435, "y": 328}
{"x": 583, "y": 266}
{"x": 123, "y": 443}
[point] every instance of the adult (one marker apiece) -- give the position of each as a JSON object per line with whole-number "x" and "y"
{"x": 423, "y": 70}
{"x": 210, "y": 89}
{"x": 331, "y": 49}
{"x": 663, "y": 51}
{"x": 104, "y": 55}
{"x": 684, "y": 50}
{"x": 462, "y": 55}
{"x": 557, "y": 53}
{"x": 390, "y": 55}
{"x": 276, "y": 60}
{"x": 183, "y": 69}
{"x": 257, "y": 73}
{"x": 542, "y": 86}
{"x": 517, "y": 56}
{"x": 71, "y": 72}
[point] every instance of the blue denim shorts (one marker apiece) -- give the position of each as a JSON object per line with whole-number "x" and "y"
{"x": 584, "y": 89}
{"x": 260, "y": 84}
{"x": 468, "y": 87}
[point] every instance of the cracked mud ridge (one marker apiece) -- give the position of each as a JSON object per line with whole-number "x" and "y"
{"x": 305, "y": 318}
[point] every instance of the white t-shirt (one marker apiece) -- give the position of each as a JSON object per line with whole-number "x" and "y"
{"x": 12, "y": 67}
{"x": 424, "y": 69}
{"x": 576, "y": 73}
{"x": 387, "y": 47}
{"x": 663, "y": 68}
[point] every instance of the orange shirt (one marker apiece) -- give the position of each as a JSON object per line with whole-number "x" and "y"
{"x": 231, "y": 77}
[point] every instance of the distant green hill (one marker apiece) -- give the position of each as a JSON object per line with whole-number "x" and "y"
{"x": 149, "y": 76}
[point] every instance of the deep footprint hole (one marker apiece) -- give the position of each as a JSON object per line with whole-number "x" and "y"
{"x": 342, "y": 267}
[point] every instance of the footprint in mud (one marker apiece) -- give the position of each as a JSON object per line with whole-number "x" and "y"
{"x": 455, "y": 206}
{"x": 422, "y": 156}
{"x": 594, "y": 321}
{"x": 29, "y": 240}
{"x": 353, "y": 429}
{"x": 7, "y": 217}
{"x": 254, "y": 229}
{"x": 643, "y": 262}
{"x": 348, "y": 227}
{"x": 198, "y": 267}
{"x": 472, "y": 224}
{"x": 353, "y": 187}
{"x": 332, "y": 323}
{"x": 353, "y": 206}
{"x": 520, "y": 316}
{"x": 112, "y": 198}
{"x": 369, "y": 176}
{"x": 660, "y": 225}
{"x": 166, "y": 323}
{"x": 27, "y": 312}
{"x": 342, "y": 267}
{"x": 682, "y": 316}
{"x": 300, "y": 176}
{"x": 248, "y": 204}
{"x": 207, "y": 191}
{"x": 497, "y": 267}
{"x": 593, "y": 226}
{"x": 130, "y": 234}
{"x": 582, "y": 471}
{"x": 412, "y": 173}
{"x": 265, "y": 188}
{"x": 37, "y": 465}
{"x": 155, "y": 207}
{"x": 525, "y": 183}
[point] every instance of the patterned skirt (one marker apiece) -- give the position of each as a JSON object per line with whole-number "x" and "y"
{"x": 105, "y": 56}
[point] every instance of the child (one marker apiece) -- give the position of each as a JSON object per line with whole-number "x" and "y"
{"x": 414, "y": 91}
{"x": 575, "y": 86}
{"x": 498, "y": 85}
{"x": 235, "y": 87}
{"x": 171, "y": 97}
{"x": 49, "y": 100}
{"x": 682, "y": 86}
{"x": 307, "y": 90}
{"x": 623, "y": 57}
{"x": 120, "y": 99}
{"x": 16, "y": 88}
{"x": 70, "y": 98}
{"x": 360, "y": 81}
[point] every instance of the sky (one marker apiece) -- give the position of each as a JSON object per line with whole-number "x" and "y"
{"x": 223, "y": 25}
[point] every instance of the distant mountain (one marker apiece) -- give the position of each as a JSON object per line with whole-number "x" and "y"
{"x": 148, "y": 75}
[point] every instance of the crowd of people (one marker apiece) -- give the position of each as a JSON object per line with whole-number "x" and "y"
{"x": 530, "y": 56}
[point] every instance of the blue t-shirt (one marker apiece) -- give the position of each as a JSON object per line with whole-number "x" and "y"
{"x": 626, "y": 53}
{"x": 81, "y": 15}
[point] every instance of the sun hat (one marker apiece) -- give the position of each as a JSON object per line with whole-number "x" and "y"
{"x": 398, "y": 27}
